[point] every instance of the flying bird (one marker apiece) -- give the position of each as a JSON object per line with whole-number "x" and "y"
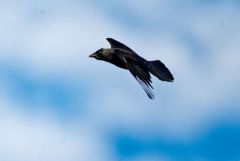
{"x": 124, "y": 57}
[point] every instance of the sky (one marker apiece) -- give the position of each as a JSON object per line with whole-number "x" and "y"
{"x": 58, "y": 104}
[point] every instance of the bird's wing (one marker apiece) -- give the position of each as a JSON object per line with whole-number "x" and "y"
{"x": 141, "y": 74}
{"x": 116, "y": 44}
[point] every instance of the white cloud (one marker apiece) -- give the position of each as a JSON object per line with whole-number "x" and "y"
{"x": 39, "y": 137}
{"x": 59, "y": 40}
{"x": 146, "y": 8}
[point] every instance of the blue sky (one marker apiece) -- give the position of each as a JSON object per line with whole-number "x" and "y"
{"x": 57, "y": 104}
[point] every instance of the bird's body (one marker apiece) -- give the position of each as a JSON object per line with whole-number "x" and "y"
{"x": 124, "y": 57}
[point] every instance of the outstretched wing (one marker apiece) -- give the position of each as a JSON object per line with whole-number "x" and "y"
{"x": 141, "y": 74}
{"x": 116, "y": 44}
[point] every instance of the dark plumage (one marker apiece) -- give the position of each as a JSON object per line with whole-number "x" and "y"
{"x": 124, "y": 57}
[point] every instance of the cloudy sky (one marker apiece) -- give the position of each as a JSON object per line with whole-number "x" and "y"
{"x": 57, "y": 104}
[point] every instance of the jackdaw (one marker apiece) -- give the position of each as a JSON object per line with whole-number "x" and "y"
{"x": 124, "y": 57}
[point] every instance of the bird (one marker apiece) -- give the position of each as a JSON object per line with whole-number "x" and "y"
{"x": 124, "y": 57}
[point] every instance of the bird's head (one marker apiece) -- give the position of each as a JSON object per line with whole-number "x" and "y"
{"x": 97, "y": 55}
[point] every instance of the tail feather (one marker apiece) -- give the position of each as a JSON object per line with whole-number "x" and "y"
{"x": 158, "y": 69}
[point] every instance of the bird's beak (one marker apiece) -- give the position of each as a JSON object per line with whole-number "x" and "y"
{"x": 94, "y": 55}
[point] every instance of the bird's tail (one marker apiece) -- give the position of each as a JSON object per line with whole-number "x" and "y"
{"x": 158, "y": 69}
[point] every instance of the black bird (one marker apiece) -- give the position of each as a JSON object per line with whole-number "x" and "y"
{"x": 124, "y": 57}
